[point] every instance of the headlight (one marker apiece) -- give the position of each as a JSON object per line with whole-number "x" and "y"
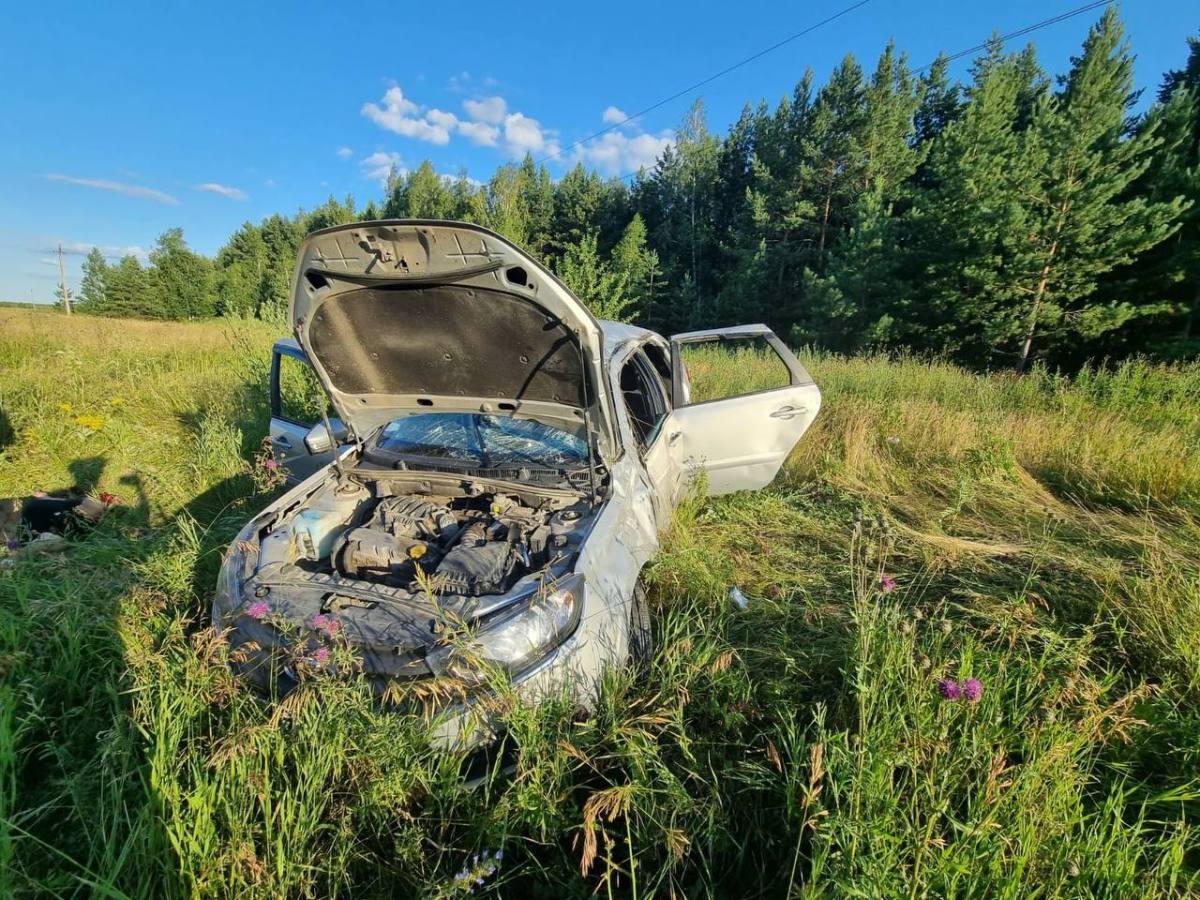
{"x": 229, "y": 582}
{"x": 518, "y": 639}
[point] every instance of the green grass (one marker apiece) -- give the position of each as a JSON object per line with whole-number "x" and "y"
{"x": 1043, "y": 533}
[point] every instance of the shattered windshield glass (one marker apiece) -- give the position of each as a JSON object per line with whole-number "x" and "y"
{"x": 477, "y": 439}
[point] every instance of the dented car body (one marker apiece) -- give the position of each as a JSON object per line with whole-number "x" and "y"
{"x": 498, "y": 473}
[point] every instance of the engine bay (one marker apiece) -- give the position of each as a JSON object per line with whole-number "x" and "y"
{"x": 425, "y": 534}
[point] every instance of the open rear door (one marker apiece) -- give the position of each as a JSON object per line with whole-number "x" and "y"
{"x": 742, "y": 400}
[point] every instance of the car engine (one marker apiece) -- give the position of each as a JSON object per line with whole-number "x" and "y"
{"x": 470, "y": 542}
{"x": 470, "y": 546}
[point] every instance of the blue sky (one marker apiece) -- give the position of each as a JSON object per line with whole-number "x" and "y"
{"x": 121, "y": 122}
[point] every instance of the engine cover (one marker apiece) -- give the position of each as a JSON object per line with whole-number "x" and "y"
{"x": 376, "y": 554}
{"x": 477, "y": 570}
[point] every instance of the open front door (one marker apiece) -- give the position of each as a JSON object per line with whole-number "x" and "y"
{"x": 742, "y": 401}
{"x": 296, "y": 401}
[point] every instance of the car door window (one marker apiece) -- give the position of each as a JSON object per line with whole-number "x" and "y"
{"x": 732, "y": 367}
{"x": 299, "y": 398}
{"x": 645, "y": 398}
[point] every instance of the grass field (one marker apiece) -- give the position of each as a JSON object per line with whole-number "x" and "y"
{"x": 1042, "y": 535}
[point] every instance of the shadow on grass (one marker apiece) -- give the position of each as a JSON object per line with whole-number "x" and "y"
{"x": 7, "y": 434}
{"x": 78, "y": 813}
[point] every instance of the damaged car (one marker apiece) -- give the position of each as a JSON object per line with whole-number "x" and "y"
{"x": 497, "y": 471}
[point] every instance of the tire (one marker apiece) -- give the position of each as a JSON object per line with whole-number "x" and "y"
{"x": 641, "y": 637}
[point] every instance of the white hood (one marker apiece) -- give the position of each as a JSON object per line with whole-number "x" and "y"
{"x": 429, "y": 316}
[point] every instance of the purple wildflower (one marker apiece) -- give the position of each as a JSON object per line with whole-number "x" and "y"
{"x": 948, "y": 688}
{"x": 258, "y": 610}
{"x": 271, "y": 463}
{"x": 13, "y": 543}
{"x": 321, "y": 655}
{"x": 972, "y": 689}
{"x": 499, "y": 854}
{"x": 887, "y": 584}
{"x": 327, "y": 623}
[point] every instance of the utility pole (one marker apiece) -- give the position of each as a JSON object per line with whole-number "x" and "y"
{"x": 62, "y": 283}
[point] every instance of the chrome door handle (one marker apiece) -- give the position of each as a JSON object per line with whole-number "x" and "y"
{"x": 282, "y": 442}
{"x": 788, "y": 412}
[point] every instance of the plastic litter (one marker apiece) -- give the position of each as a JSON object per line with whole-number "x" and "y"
{"x": 739, "y": 598}
{"x": 47, "y": 542}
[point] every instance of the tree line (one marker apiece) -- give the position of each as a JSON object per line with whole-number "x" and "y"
{"x": 1011, "y": 218}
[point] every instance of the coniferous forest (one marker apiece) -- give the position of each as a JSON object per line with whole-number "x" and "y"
{"x": 1018, "y": 217}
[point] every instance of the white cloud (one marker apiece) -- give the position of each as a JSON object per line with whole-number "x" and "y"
{"x": 479, "y": 133}
{"x": 117, "y": 187}
{"x": 221, "y": 190}
{"x": 618, "y": 153}
{"x": 400, "y": 115}
{"x": 523, "y": 134}
{"x": 344, "y": 152}
{"x": 614, "y": 116}
{"x": 440, "y": 119}
{"x": 460, "y": 82}
{"x": 489, "y": 122}
{"x": 83, "y": 248}
{"x": 491, "y": 110}
{"x": 378, "y": 166}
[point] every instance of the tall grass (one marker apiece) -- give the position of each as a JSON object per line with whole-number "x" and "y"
{"x": 1041, "y": 534}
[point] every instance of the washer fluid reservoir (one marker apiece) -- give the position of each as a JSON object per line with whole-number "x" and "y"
{"x": 317, "y": 526}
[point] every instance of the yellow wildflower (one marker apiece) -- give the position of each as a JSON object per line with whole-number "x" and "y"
{"x": 116, "y": 402}
{"x": 94, "y": 423}
{"x": 66, "y": 408}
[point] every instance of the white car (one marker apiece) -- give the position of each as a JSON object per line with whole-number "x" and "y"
{"x": 505, "y": 464}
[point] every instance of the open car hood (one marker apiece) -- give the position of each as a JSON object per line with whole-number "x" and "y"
{"x": 406, "y": 316}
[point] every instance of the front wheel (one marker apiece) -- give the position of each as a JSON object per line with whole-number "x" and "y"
{"x": 641, "y": 638}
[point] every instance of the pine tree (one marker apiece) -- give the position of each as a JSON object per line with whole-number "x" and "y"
{"x": 1082, "y": 224}
{"x": 638, "y": 264}
{"x": 594, "y": 282}
{"x": 129, "y": 291}
{"x": 851, "y": 305}
{"x": 1175, "y": 172}
{"x": 576, "y": 207}
{"x": 183, "y": 279}
{"x": 537, "y": 196}
{"x": 240, "y": 267}
{"x": 967, "y": 220}
{"x": 891, "y": 149}
{"x": 92, "y": 296}
{"x": 941, "y": 102}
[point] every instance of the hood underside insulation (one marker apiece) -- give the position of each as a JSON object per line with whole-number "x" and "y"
{"x": 446, "y": 340}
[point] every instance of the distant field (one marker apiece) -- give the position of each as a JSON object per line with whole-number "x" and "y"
{"x": 1042, "y": 536}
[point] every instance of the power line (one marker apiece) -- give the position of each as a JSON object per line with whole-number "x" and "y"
{"x": 1020, "y": 32}
{"x": 711, "y": 78}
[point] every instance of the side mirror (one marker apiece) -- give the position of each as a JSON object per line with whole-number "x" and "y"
{"x": 319, "y": 440}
